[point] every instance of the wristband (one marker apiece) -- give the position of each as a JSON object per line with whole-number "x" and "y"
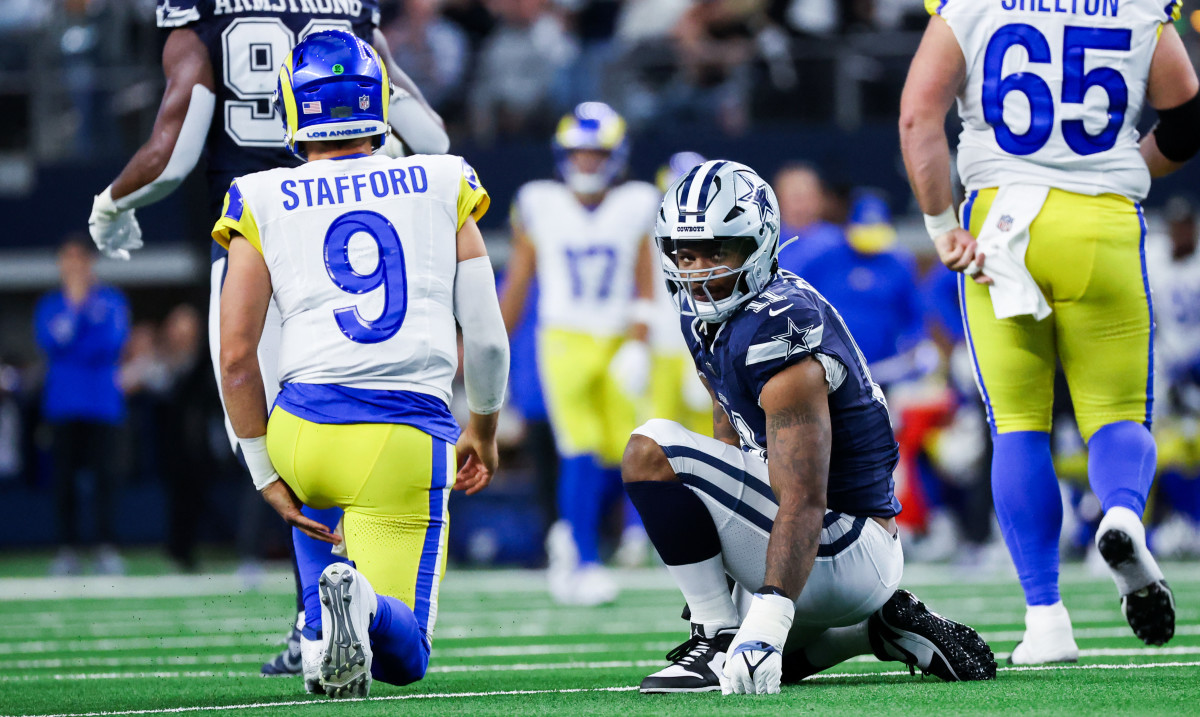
{"x": 254, "y": 452}
{"x": 771, "y": 590}
{"x": 939, "y": 224}
{"x": 643, "y": 311}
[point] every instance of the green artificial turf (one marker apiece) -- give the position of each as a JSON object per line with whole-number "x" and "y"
{"x": 189, "y": 644}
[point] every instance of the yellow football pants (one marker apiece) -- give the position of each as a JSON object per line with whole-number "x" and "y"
{"x": 1087, "y": 256}
{"x": 589, "y": 412}
{"x": 393, "y": 482}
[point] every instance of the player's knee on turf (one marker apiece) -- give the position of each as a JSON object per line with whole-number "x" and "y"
{"x": 644, "y": 460}
{"x": 401, "y": 667}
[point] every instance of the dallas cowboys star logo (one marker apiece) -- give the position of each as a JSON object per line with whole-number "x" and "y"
{"x": 796, "y": 339}
{"x": 756, "y": 196}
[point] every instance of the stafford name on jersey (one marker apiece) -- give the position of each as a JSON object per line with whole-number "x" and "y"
{"x": 315, "y": 7}
{"x": 321, "y": 190}
{"x": 1107, "y": 8}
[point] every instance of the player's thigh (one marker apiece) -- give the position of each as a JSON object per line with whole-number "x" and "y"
{"x": 397, "y": 527}
{"x": 1104, "y": 317}
{"x": 573, "y": 371}
{"x": 858, "y": 567}
{"x": 618, "y": 410}
{"x": 1014, "y": 359}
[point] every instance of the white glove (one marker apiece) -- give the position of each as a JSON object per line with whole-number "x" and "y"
{"x": 695, "y": 394}
{"x": 392, "y": 146}
{"x": 754, "y": 665}
{"x": 115, "y": 231}
{"x": 630, "y": 366}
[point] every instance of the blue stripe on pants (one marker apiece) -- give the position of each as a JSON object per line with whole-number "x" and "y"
{"x": 427, "y": 572}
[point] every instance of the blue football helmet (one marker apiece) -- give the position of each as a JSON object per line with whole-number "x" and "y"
{"x": 592, "y": 125}
{"x": 332, "y": 86}
{"x": 677, "y": 165}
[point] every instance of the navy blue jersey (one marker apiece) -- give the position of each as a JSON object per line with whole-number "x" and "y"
{"x": 784, "y": 324}
{"x": 247, "y": 42}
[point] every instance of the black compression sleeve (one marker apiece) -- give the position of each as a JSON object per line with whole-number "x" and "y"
{"x": 1178, "y": 131}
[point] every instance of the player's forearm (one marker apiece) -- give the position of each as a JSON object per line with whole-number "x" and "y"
{"x": 1158, "y": 164}
{"x": 927, "y": 160}
{"x": 484, "y": 425}
{"x": 243, "y": 393}
{"x": 792, "y": 548}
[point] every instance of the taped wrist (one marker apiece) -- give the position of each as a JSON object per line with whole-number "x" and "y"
{"x": 254, "y": 452}
{"x": 768, "y": 620}
{"x": 1178, "y": 131}
{"x": 485, "y": 342}
{"x": 939, "y": 224}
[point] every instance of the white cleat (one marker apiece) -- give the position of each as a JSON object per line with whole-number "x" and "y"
{"x": 588, "y": 586}
{"x": 1049, "y": 637}
{"x": 1146, "y": 599}
{"x": 348, "y": 605}
{"x": 312, "y": 655}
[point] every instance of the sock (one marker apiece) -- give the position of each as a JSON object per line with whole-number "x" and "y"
{"x": 1029, "y": 510}
{"x": 580, "y": 493}
{"x": 401, "y": 651}
{"x": 682, "y": 530}
{"x": 838, "y": 644}
{"x": 1121, "y": 462}
{"x": 312, "y": 557}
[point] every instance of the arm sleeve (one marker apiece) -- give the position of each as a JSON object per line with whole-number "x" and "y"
{"x": 781, "y": 341}
{"x": 473, "y": 199}
{"x": 485, "y": 342}
{"x": 236, "y": 217}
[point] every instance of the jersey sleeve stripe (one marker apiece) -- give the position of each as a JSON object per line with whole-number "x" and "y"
{"x": 1173, "y": 10}
{"x": 935, "y": 7}
{"x": 236, "y": 218}
{"x": 473, "y": 201}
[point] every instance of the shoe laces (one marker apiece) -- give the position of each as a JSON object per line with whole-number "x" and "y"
{"x": 689, "y": 652}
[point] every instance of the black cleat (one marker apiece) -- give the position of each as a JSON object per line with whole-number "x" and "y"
{"x": 906, "y": 631}
{"x": 1149, "y": 610}
{"x": 696, "y": 665}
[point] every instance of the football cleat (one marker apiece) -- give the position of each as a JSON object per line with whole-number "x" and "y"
{"x": 312, "y": 656}
{"x": 1146, "y": 599}
{"x": 348, "y": 605}
{"x": 1048, "y": 638}
{"x": 906, "y": 631}
{"x": 287, "y": 662}
{"x": 696, "y": 665}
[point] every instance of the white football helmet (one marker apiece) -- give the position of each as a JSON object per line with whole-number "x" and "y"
{"x": 719, "y": 200}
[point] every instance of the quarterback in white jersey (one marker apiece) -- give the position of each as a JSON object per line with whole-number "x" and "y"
{"x": 1052, "y": 232}
{"x": 586, "y": 241}
{"x": 371, "y": 261}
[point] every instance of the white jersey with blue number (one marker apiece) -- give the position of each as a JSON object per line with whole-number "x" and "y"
{"x": 1054, "y": 90}
{"x": 586, "y": 257}
{"x": 362, "y": 254}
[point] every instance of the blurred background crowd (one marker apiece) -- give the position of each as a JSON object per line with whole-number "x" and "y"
{"x": 806, "y": 91}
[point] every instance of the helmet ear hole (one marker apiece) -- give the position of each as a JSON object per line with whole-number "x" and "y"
{"x": 734, "y": 214}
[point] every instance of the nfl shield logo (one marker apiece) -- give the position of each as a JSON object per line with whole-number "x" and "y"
{"x": 364, "y": 102}
{"x": 1005, "y": 223}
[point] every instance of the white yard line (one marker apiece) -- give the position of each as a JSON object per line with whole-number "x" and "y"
{"x": 501, "y": 693}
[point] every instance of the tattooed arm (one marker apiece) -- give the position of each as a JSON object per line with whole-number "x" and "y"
{"x": 798, "y": 443}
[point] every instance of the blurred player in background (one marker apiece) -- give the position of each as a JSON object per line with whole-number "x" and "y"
{"x": 809, "y": 536}
{"x": 1173, "y": 265}
{"x": 676, "y": 391}
{"x": 221, "y": 62}
{"x": 1053, "y": 234}
{"x": 585, "y": 237}
{"x": 362, "y": 421}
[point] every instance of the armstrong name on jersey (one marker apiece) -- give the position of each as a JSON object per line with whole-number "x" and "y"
{"x": 324, "y": 7}
{"x": 786, "y": 323}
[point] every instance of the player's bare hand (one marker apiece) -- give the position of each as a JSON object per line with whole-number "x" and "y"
{"x": 478, "y": 455}
{"x": 280, "y": 496}
{"x": 958, "y": 251}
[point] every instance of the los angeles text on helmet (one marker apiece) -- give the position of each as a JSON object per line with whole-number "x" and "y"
{"x": 322, "y": 7}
